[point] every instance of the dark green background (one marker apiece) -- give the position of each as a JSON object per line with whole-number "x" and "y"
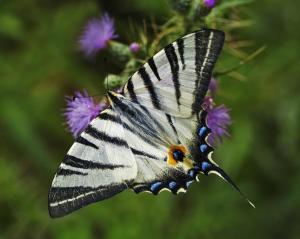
{"x": 40, "y": 63}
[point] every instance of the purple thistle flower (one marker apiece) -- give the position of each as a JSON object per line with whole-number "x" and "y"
{"x": 134, "y": 47}
{"x": 218, "y": 120}
{"x": 80, "y": 111}
{"x": 97, "y": 33}
{"x": 209, "y": 3}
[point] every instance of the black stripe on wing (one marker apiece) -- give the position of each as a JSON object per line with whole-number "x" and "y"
{"x": 104, "y": 137}
{"x": 149, "y": 85}
{"x": 153, "y": 67}
{"x": 67, "y": 172}
{"x": 64, "y": 200}
{"x": 142, "y": 153}
{"x": 86, "y": 142}
{"x": 173, "y": 61}
{"x": 86, "y": 164}
{"x": 109, "y": 117}
{"x": 180, "y": 44}
{"x": 92, "y": 131}
{"x": 130, "y": 88}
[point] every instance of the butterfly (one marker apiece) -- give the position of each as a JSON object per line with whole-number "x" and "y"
{"x": 152, "y": 137}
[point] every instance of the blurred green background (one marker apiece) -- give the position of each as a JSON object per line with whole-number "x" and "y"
{"x": 40, "y": 63}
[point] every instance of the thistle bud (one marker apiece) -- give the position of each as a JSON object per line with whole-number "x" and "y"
{"x": 134, "y": 47}
{"x": 181, "y": 6}
{"x": 119, "y": 52}
{"x": 114, "y": 81}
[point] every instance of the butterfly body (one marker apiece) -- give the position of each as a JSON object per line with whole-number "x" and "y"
{"x": 153, "y": 136}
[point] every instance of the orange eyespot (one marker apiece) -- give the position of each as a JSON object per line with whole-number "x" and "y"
{"x": 176, "y": 153}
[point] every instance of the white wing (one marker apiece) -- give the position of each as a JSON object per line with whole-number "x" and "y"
{"x": 176, "y": 79}
{"x": 98, "y": 165}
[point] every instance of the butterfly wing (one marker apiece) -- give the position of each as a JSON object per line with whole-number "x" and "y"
{"x": 98, "y": 165}
{"x": 176, "y": 79}
{"x": 151, "y": 135}
{"x": 129, "y": 146}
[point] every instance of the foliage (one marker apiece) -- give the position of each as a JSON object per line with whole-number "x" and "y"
{"x": 187, "y": 16}
{"x": 40, "y": 62}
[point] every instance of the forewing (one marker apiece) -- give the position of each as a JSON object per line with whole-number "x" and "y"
{"x": 176, "y": 79}
{"x": 97, "y": 166}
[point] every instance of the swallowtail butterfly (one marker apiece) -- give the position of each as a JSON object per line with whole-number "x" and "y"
{"x": 152, "y": 137}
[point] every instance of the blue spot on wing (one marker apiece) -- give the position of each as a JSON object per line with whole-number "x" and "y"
{"x": 203, "y": 147}
{"x": 155, "y": 187}
{"x": 172, "y": 185}
{"x": 205, "y": 166}
{"x": 202, "y": 131}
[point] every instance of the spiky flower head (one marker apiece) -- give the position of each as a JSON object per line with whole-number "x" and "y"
{"x": 97, "y": 33}
{"x": 218, "y": 120}
{"x": 80, "y": 111}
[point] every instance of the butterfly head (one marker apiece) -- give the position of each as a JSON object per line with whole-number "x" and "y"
{"x": 114, "y": 97}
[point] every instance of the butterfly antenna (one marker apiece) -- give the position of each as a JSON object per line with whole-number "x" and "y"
{"x": 85, "y": 97}
{"x": 106, "y": 76}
